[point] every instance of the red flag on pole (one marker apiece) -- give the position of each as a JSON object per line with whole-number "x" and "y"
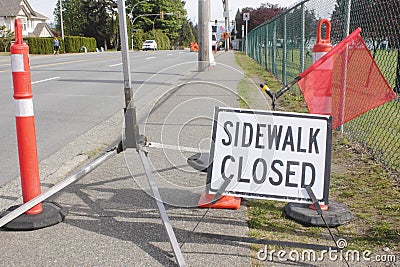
{"x": 346, "y": 82}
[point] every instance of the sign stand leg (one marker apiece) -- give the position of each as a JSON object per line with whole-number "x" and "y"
{"x": 321, "y": 213}
{"x": 163, "y": 214}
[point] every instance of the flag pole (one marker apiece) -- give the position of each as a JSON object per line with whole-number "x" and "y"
{"x": 275, "y": 95}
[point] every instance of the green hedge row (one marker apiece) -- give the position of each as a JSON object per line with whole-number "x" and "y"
{"x": 71, "y": 44}
{"x": 163, "y": 42}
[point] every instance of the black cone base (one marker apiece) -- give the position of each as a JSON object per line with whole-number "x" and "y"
{"x": 336, "y": 215}
{"x": 51, "y": 215}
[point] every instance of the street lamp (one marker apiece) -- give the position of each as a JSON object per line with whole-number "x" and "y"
{"x": 154, "y": 20}
{"x": 133, "y": 8}
{"x": 131, "y": 16}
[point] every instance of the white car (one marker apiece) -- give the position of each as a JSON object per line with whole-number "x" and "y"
{"x": 149, "y": 45}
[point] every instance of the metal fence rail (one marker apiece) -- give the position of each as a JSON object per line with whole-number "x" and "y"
{"x": 283, "y": 45}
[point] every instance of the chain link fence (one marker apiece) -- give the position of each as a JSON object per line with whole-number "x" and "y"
{"x": 284, "y": 46}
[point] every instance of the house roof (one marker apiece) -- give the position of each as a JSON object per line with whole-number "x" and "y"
{"x": 39, "y": 28}
{"x": 11, "y": 8}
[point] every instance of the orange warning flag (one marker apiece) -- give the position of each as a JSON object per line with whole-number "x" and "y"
{"x": 346, "y": 82}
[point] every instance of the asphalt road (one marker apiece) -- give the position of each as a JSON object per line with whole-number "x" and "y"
{"x": 73, "y": 93}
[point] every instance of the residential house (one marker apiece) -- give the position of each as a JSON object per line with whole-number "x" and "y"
{"x": 33, "y": 23}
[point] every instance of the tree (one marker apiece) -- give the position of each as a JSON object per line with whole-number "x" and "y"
{"x": 194, "y": 30}
{"x": 89, "y": 18}
{"x": 73, "y": 18}
{"x": 257, "y": 16}
{"x": 99, "y": 19}
{"x": 378, "y": 19}
{"x": 310, "y": 21}
{"x": 171, "y": 25}
{"x": 186, "y": 35}
{"x": 6, "y": 36}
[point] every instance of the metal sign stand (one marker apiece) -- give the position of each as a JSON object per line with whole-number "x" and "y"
{"x": 134, "y": 140}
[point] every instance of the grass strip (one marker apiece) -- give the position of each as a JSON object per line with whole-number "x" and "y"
{"x": 371, "y": 193}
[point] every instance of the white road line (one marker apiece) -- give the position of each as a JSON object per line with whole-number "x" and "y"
{"x": 5, "y": 65}
{"x": 115, "y": 65}
{"x": 45, "y": 80}
{"x": 169, "y": 54}
{"x": 150, "y": 57}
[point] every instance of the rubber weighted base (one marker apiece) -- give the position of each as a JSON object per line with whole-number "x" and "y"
{"x": 52, "y": 214}
{"x": 199, "y": 161}
{"x": 336, "y": 215}
{"x": 224, "y": 202}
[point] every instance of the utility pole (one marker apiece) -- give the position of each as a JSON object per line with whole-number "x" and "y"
{"x": 204, "y": 39}
{"x": 61, "y": 22}
{"x": 226, "y": 15}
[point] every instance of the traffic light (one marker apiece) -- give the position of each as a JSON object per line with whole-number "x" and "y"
{"x": 162, "y": 15}
{"x": 216, "y": 22}
{"x": 179, "y": 14}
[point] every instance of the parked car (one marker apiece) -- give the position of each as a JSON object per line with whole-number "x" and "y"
{"x": 149, "y": 45}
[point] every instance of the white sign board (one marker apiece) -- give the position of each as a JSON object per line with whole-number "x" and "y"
{"x": 246, "y": 16}
{"x": 270, "y": 155}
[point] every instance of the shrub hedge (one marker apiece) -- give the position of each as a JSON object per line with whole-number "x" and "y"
{"x": 71, "y": 44}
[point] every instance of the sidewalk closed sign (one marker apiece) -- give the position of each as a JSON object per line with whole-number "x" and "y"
{"x": 270, "y": 155}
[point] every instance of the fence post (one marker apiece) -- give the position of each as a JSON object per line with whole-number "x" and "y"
{"x": 284, "y": 50}
{"x": 257, "y": 52}
{"x": 260, "y": 46}
{"x": 303, "y": 36}
{"x": 346, "y": 32}
{"x": 274, "y": 49}
{"x": 266, "y": 46}
{"x": 397, "y": 85}
{"x": 347, "y": 19}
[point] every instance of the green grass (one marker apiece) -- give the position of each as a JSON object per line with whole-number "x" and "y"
{"x": 4, "y": 53}
{"x": 371, "y": 193}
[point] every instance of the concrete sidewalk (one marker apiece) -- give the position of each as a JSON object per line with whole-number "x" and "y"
{"x": 111, "y": 218}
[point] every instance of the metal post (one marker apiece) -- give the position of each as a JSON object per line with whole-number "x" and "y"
{"x": 262, "y": 46}
{"x": 226, "y": 15}
{"x": 303, "y": 34}
{"x": 274, "y": 49}
{"x": 243, "y": 40}
{"x": 247, "y": 42}
{"x": 131, "y": 127}
{"x": 284, "y": 50}
{"x": 347, "y": 19}
{"x": 204, "y": 42}
{"x": 259, "y": 40}
{"x": 343, "y": 86}
{"x": 397, "y": 84}
{"x": 266, "y": 47}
